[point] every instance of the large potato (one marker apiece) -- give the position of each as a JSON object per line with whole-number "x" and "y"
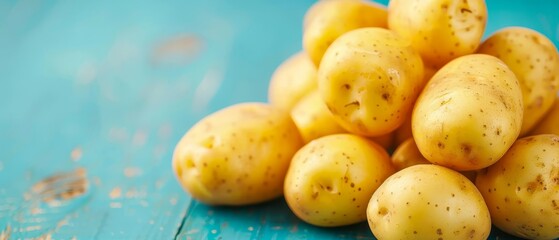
{"x": 313, "y": 119}
{"x": 328, "y": 19}
{"x": 522, "y": 189}
{"x": 469, "y": 114}
{"x": 369, "y": 79}
{"x": 238, "y": 155}
{"x": 534, "y": 60}
{"x": 332, "y": 178}
{"x": 440, "y": 30}
{"x": 428, "y": 202}
{"x": 292, "y": 80}
{"x": 550, "y": 122}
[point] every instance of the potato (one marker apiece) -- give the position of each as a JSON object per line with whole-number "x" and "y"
{"x": 369, "y": 79}
{"x": 440, "y": 30}
{"x": 238, "y": 155}
{"x": 313, "y": 118}
{"x": 428, "y": 202}
{"x": 292, "y": 80}
{"x": 403, "y": 132}
{"x": 386, "y": 141}
{"x": 407, "y": 155}
{"x": 549, "y": 123}
{"x": 534, "y": 60}
{"x": 331, "y": 179}
{"x": 469, "y": 114}
{"x": 327, "y": 20}
{"x": 522, "y": 189}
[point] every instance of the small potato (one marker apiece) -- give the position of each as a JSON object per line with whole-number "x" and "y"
{"x": 292, "y": 80}
{"x": 550, "y": 123}
{"x": 369, "y": 79}
{"x": 328, "y": 19}
{"x": 386, "y": 141}
{"x": 440, "y": 30}
{"x": 407, "y": 155}
{"x": 428, "y": 202}
{"x": 238, "y": 155}
{"x": 469, "y": 114}
{"x": 522, "y": 189}
{"x": 331, "y": 179}
{"x": 313, "y": 118}
{"x": 534, "y": 60}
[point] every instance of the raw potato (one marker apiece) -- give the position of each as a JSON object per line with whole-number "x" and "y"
{"x": 404, "y": 131}
{"x": 407, "y": 155}
{"x": 522, "y": 189}
{"x": 313, "y": 118}
{"x": 369, "y": 79}
{"x": 238, "y": 155}
{"x": 328, "y": 19}
{"x": 332, "y": 178}
{"x": 428, "y": 202}
{"x": 534, "y": 60}
{"x": 469, "y": 114}
{"x": 292, "y": 80}
{"x": 550, "y": 123}
{"x": 440, "y": 30}
{"x": 386, "y": 141}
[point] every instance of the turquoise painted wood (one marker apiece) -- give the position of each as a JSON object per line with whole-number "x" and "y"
{"x": 95, "y": 94}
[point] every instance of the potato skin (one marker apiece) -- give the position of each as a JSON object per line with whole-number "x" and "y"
{"x": 549, "y": 123}
{"x": 331, "y": 179}
{"x": 291, "y": 81}
{"x": 440, "y": 30}
{"x": 427, "y": 201}
{"x": 369, "y": 79}
{"x": 326, "y": 20}
{"x": 534, "y": 60}
{"x": 238, "y": 155}
{"x": 469, "y": 114}
{"x": 522, "y": 189}
{"x": 313, "y": 119}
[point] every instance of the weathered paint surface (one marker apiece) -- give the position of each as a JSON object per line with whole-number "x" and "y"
{"x": 95, "y": 94}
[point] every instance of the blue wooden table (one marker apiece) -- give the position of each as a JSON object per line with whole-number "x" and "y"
{"x": 95, "y": 94}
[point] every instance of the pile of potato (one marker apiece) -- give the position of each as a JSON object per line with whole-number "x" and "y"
{"x": 398, "y": 115}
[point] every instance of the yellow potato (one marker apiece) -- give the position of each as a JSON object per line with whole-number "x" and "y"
{"x": 313, "y": 118}
{"x": 550, "y": 122}
{"x": 522, "y": 189}
{"x": 238, "y": 155}
{"x": 534, "y": 60}
{"x": 386, "y": 141}
{"x": 369, "y": 79}
{"x": 440, "y": 30}
{"x": 292, "y": 80}
{"x": 404, "y": 132}
{"x": 328, "y": 19}
{"x": 428, "y": 202}
{"x": 469, "y": 113}
{"x": 407, "y": 155}
{"x": 331, "y": 179}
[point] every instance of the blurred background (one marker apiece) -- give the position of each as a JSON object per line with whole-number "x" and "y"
{"x": 109, "y": 87}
